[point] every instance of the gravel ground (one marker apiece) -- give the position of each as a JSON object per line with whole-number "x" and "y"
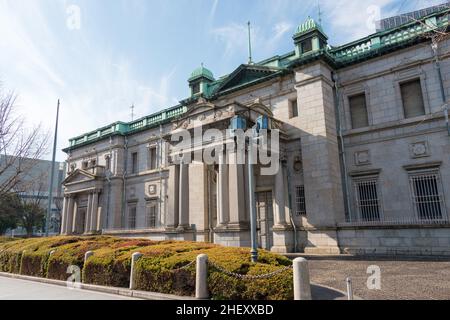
{"x": 409, "y": 278}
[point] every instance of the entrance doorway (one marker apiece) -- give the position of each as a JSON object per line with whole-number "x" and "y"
{"x": 264, "y": 213}
{"x": 80, "y": 221}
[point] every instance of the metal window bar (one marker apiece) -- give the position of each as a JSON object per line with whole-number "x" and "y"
{"x": 300, "y": 200}
{"x": 367, "y": 200}
{"x": 427, "y": 197}
{"x": 132, "y": 218}
{"x": 151, "y": 218}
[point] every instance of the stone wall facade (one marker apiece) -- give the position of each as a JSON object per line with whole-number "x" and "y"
{"x": 317, "y": 202}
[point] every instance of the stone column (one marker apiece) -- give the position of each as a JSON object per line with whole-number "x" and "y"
{"x": 236, "y": 191}
{"x": 73, "y": 213}
{"x": 223, "y": 213}
{"x": 320, "y": 155}
{"x": 280, "y": 205}
{"x": 87, "y": 225}
{"x": 64, "y": 217}
{"x": 183, "y": 218}
{"x": 173, "y": 197}
{"x": 94, "y": 212}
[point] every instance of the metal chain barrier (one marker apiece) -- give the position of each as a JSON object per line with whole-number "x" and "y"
{"x": 249, "y": 277}
{"x": 185, "y": 266}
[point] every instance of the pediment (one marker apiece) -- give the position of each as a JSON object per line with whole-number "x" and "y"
{"x": 79, "y": 176}
{"x": 246, "y": 74}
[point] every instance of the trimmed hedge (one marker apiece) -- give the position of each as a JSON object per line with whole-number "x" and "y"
{"x": 159, "y": 270}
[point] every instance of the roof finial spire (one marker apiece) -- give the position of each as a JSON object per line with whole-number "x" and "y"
{"x": 132, "y": 112}
{"x": 250, "y": 61}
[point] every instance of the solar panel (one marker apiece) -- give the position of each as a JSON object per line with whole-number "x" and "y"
{"x": 393, "y": 22}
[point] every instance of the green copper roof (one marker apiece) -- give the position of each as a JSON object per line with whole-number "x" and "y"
{"x": 307, "y": 26}
{"x": 201, "y": 72}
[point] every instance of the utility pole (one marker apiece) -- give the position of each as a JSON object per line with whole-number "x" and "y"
{"x": 132, "y": 112}
{"x": 250, "y": 61}
{"x": 52, "y": 175}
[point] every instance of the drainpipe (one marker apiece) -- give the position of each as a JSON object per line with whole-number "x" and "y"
{"x": 434, "y": 47}
{"x": 124, "y": 195}
{"x": 160, "y": 173}
{"x": 284, "y": 163}
{"x": 108, "y": 179}
{"x": 342, "y": 151}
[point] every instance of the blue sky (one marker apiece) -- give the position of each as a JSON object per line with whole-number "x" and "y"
{"x": 141, "y": 52}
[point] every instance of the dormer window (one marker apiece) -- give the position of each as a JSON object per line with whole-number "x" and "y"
{"x": 306, "y": 45}
{"x": 199, "y": 80}
{"x": 196, "y": 88}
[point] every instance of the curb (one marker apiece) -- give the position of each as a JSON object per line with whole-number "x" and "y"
{"x": 145, "y": 295}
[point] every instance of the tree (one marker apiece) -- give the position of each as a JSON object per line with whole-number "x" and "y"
{"x": 10, "y": 205}
{"x": 20, "y": 147}
{"x": 31, "y": 216}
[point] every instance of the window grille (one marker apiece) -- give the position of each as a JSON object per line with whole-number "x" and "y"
{"x": 300, "y": 200}
{"x": 427, "y": 197}
{"x": 132, "y": 218}
{"x": 151, "y": 218}
{"x": 367, "y": 199}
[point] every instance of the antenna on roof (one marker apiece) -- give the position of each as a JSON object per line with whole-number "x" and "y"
{"x": 320, "y": 12}
{"x": 250, "y": 61}
{"x": 132, "y": 112}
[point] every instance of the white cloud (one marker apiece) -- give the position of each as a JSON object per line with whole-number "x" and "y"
{"x": 234, "y": 38}
{"x": 95, "y": 86}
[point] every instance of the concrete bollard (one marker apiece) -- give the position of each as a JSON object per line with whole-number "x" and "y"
{"x": 302, "y": 286}
{"x": 134, "y": 258}
{"x": 201, "y": 277}
{"x": 87, "y": 255}
{"x": 349, "y": 288}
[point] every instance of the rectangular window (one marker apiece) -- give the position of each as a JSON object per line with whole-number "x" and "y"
{"x": 300, "y": 200}
{"x": 427, "y": 197}
{"x": 108, "y": 162}
{"x": 412, "y": 98}
{"x": 367, "y": 199}
{"x": 152, "y": 159}
{"x": 134, "y": 162}
{"x": 196, "y": 88}
{"x": 132, "y": 217}
{"x": 306, "y": 46}
{"x": 293, "y": 109}
{"x": 358, "y": 111}
{"x": 152, "y": 215}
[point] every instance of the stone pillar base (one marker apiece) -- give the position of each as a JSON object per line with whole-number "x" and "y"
{"x": 283, "y": 239}
{"x": 322, "y": 242}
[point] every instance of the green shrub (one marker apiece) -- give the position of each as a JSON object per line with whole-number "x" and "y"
{"x": 161, "y": 268}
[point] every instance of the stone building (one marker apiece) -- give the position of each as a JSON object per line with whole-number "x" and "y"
{"x": 364, "y": 156}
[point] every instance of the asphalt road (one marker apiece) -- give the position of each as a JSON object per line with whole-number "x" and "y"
{"x": 15, "y": 289}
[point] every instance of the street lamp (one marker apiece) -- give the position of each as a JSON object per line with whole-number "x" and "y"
{"x": 262, "y": 122}
{"x": 251, "y": 192}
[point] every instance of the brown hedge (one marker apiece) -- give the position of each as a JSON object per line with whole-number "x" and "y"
{"x": 158, "y": 270}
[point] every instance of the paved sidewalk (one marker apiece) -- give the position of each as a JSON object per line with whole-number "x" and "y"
{"x": 413, "y": 278}
{"x": 17, "y": 289}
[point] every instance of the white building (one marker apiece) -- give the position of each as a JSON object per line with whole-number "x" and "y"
{"x": 364, "y": 153}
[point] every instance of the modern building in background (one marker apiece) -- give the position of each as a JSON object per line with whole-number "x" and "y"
{"x": 34, "y": 186}
{"x": 365, "y": 147}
